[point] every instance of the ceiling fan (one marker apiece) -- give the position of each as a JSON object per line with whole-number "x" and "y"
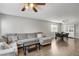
{"x": 32, "y": 6}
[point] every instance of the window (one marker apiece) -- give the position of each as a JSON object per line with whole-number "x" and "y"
{"x": 54, "y": 28}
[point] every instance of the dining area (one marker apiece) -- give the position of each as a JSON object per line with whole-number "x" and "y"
{"x": 61, "y": 35}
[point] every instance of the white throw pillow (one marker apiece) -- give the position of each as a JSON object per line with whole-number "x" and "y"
{"x": 39, "y": 35}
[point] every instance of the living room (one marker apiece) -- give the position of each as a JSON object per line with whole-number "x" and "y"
{"x": 27, "y": 32}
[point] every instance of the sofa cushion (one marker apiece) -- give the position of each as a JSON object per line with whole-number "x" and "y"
{"x": 22, "y": 36}
{"x": 32, "y": 35}
{"x": 28, "y": 41}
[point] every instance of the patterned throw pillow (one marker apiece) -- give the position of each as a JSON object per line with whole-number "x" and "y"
{"x": 3, "y": 38}
{"x": 3, "y": 46}
{"x": 12, "y": 39}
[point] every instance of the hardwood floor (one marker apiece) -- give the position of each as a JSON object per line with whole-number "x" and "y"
{"x": 66, "y": 47}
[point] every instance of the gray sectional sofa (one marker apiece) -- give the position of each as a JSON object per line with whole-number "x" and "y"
{"x": 20, "y": 38}
{"x": 28, "y": 39}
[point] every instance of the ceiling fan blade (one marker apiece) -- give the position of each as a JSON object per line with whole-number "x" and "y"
{"x": 23, "y": 9}
{"x": 40, "y": 3}
{"x": 35, "y": 9}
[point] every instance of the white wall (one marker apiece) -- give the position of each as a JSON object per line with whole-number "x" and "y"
{"x": 15, "y": 24}
{"x": 0, "y": 26}
{"x": 77, "y": 30}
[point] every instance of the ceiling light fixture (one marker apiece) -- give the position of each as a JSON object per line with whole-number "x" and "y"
{"x": 32, "y": 6}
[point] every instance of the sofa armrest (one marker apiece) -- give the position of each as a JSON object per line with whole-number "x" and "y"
{"x": 45, "y": 40}
{"x": 7, "y": 51}
{"x": 14, "y": 46}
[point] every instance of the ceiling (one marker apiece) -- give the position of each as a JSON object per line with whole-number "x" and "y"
{"x": 56, "y": 12}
